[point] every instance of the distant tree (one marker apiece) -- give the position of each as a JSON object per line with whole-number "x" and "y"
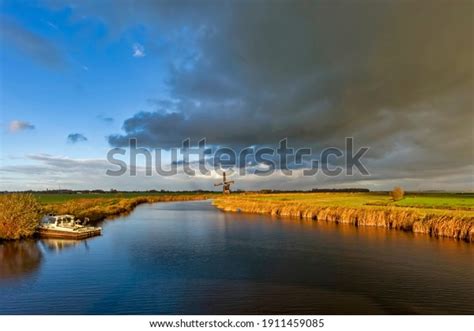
{"x": 397, "y": 193}
{"x": 266, "y": 191}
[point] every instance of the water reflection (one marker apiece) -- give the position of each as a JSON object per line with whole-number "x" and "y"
{"x": 57, "y": 245}
{"x": 19, "y": 259}
{"x": 188, "y": 257}
{"x": 22, "y": 258}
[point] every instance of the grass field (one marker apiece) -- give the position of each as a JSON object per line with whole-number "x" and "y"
{"x": 20, "y": 213}
{"x": 440, "y": 215}
{"x": 99, "y": 206}
{"x": 438, "y": 200}
{"x": 450, "y": 215}
{"x": 53, "y": 198}
{"x": 420, "y": 200}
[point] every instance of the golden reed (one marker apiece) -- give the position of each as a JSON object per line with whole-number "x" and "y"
{"x": 101, "y": 208}
{"x": 450, "y": 224}
{"x": 19, "y": 216}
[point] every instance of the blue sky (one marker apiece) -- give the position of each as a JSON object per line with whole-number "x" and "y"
{"x": 239, "y": 74}
{"x": 93, "y": 76}
{"x": 89, "y": 86}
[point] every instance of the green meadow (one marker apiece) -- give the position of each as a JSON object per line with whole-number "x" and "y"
{"x": 55, "y": 198}
{"x": 439, "y": 215}
{"x": 335, "y": 199}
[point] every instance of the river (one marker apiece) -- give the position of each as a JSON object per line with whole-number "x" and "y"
{"x": 190, "y": 258}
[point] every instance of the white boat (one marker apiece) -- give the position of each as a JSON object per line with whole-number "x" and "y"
{"x": 66, "y": 226}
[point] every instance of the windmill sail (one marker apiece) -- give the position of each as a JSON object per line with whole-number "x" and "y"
{"x": 225, "y": 184}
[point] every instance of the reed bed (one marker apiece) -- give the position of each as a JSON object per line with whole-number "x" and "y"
{"x": 20, "y": 214}
{"x": 101, "y": 208}
{"x": 437, "y": 223}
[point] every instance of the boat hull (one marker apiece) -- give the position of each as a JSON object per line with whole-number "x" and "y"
{"x": 60, "y": 234}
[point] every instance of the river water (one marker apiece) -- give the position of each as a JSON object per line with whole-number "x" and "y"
{"x": 190, "y": 258}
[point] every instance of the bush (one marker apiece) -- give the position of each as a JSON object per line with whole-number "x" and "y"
{"x": 19, "y": 215}
{"x": 397, "y": 193}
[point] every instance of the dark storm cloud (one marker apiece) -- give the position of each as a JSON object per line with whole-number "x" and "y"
{"x": 313, "y": 71}
{"x": 395, "y": 75}
{"x": 33, "y": 45}
{"x": 75, "y": 138}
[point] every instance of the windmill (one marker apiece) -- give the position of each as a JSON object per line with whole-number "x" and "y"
{"x": 225, "y": 184}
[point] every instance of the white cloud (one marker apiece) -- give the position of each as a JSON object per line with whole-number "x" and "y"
{"x": 17, "y": 126}
{"x": 54, "y": 26}
{"x": 138, "y": 50}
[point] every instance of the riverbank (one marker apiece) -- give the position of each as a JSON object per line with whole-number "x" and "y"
{"x": 21, "y": 213}
{"x": 97, "y": 209}
{"x": 438, "y": 216}
{"x": 190, "y": 251}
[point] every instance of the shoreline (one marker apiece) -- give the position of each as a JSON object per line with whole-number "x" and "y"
{"x": 434, "y": 221}
{"x": 449, "y": 225}
{"x": 98, "y": 209}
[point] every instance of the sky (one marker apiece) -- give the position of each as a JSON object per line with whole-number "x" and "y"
{"x": 78, "y": 78}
